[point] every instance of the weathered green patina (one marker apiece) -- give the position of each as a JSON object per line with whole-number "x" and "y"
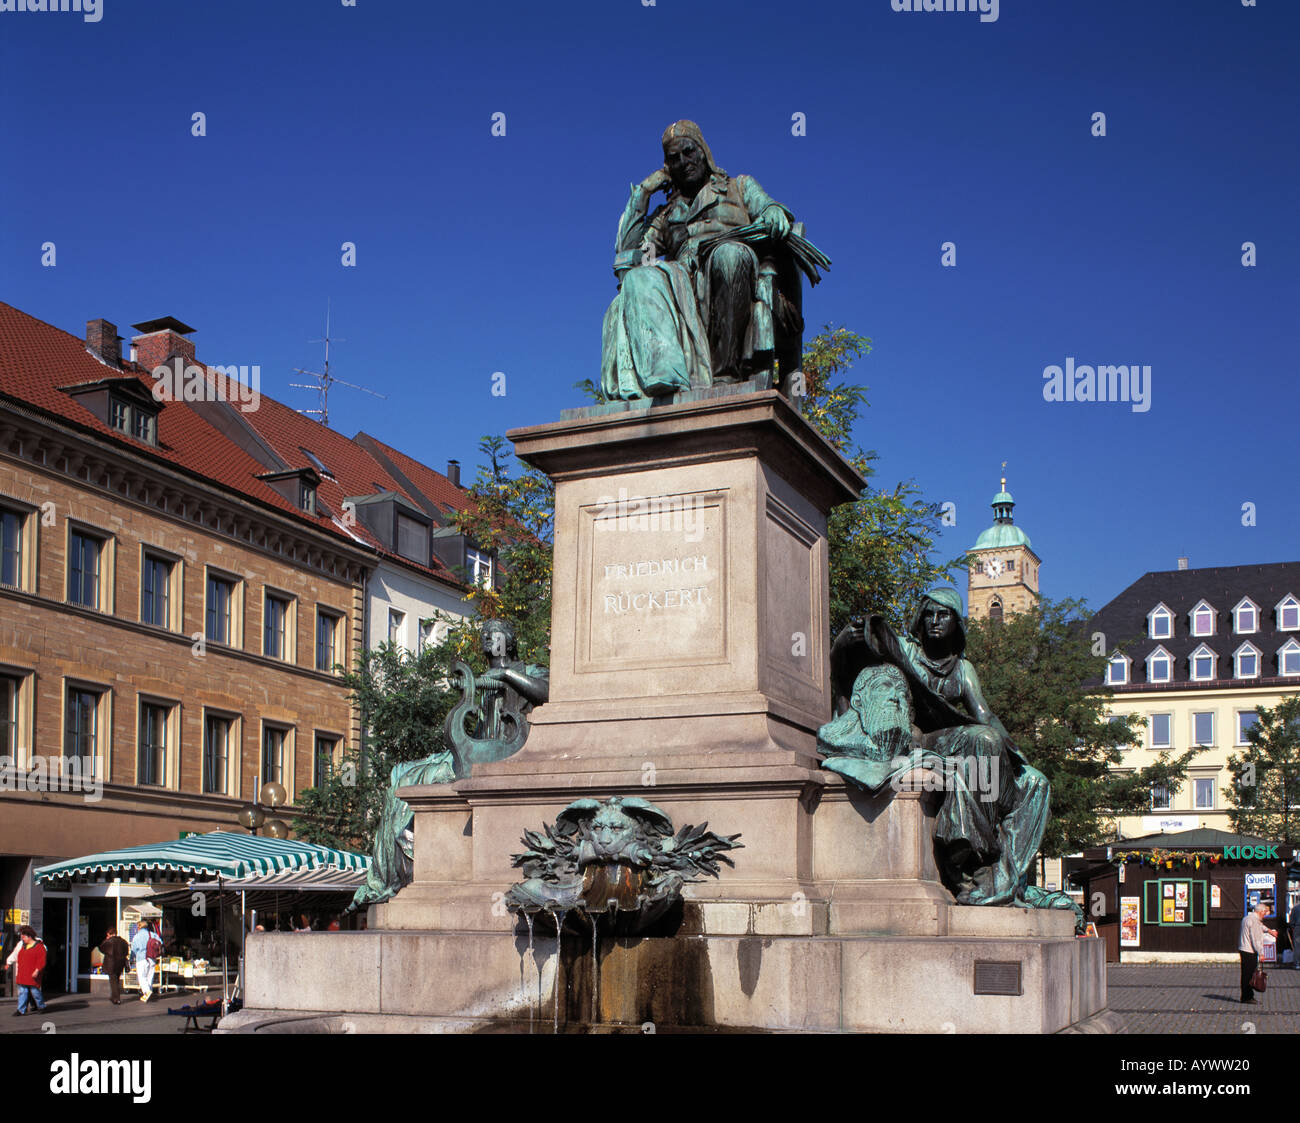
{"x": 995, "y": 809}
{"x": 618, "y": 857}
{"x": 496, "y": 702}
{"x": 709, "y": 286}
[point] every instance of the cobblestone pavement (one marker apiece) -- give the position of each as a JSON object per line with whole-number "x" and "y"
{"x": 1201, "y": 998}
{"x": 80, "y": 1013}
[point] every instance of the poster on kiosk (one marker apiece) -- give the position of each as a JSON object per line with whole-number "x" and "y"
{"x": 1263, "y": 887}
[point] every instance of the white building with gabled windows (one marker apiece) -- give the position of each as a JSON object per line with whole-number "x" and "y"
{"x": 1195, "y": 653}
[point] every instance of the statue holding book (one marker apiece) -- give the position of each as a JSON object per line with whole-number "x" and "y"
{"x": 709, "y": 287}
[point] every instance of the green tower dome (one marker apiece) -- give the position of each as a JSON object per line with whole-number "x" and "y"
{"x": 1003, "y": 533}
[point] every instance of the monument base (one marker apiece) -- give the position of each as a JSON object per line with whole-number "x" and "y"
{"x": 873, "y": 944}
{"x": 499, "y": 982}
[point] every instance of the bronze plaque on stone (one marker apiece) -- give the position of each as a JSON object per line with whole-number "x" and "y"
{"x": 998, "y": 977}
{"x": 652, "y": 581}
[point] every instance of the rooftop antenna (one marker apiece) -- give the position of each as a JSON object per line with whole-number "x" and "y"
{"x": 325, "y": 380}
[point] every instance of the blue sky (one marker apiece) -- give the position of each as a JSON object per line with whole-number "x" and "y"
{"x": 476, "y": 254}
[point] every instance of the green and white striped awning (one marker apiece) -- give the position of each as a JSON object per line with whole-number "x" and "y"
{"x": 218, "y": 854}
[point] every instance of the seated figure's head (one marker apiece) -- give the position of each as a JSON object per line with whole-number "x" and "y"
{"x": 687, "y": 157}
{"x": 883, "y": 706}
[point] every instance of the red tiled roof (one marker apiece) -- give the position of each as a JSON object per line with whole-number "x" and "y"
{"x": 435, "y": 486}
{"x": 36, "y": 359}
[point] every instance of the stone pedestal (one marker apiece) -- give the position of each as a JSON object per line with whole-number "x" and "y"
{"x": 689, "y": 666}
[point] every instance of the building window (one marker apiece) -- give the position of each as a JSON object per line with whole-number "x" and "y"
{"x": 1161, "y": 797}
{"x": 307, "y": 496}
{"x": 1159, "y": 666}
{"x": 1117, "y": 670}
{"x": 995, "y": 609}
{"x": 1288, "y": 658}
{"x": 412, "y": 539}
{"x": 1203, "y": 794}
{"x": 1202, "y": 664}
{"x": 1011, "y": 565}
{"x": 273, "y": 738}
{"x": 1203, "y": 729}
{"x": 1162, "y": 731}
{"x": 1288, "y": 614}
{"x": 84, "y": 551}
{"x": 395, "y": 621}
{"x": 11, "y": 548}
{"x": 81, "y": 727}
{"x": 220, "y": 612}
{"x": 1246, "y": 721}
{"x": 479, "y": 564}
{"x": 1160, "y": 623}
{"x": 155, "y": 591}
{"x": 216, "y": 753}
{"x": 1245, "y": 618}
{"x": 327, "y": 630}
{"x": 1203, "y": 620}
{"x": 10, "y": 685}
{"x": 275, "y": 627}
{"x": 151, "y": 748}
{"x": 133, "y": 419}
{"x": 323, "y": 759}
{"x": 1246, "y": 661}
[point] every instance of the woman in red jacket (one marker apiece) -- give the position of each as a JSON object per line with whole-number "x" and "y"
{"x": 31, "y": 970}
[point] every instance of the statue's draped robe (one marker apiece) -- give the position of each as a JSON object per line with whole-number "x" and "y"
{"x": 657, "y": 331}
{"x": 986, "y": 840}
{"x": 393, "y": 859}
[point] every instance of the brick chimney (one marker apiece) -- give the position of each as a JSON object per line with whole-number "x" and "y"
{"x": 102, "y": 340}
{"x": 453, "y": 472}
{"x": 162, "y": 340}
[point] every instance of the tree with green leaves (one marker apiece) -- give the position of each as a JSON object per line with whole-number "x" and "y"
{"x": 881, "y": 547}
{"x": 1036, "y": 669}
{"x": 404, "y": 697}
{"x": 1265, "y": 793}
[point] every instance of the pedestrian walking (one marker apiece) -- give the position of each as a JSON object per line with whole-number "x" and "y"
{"x": 1292, "y": 923}
{"x": 146, "y": 948}
{"x": 1250, "y": 945}
{"x": 31, "y": 971}
{"x": 116, "y": 950}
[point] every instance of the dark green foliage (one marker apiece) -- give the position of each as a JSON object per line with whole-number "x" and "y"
{"x": 1033, "y": 667}
{"x": 1265, "y": 793}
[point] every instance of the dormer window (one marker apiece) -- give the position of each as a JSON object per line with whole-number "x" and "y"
{"x": 1203, "y": 663}
{"x": 479, "y": 564}
{"x": 298, "y": 486}
{"x": 1246, "y": 661}
{"x": 1160, "y": 623}
{"x": 1203, "y": 620}
{"x": 1245, "y": 618}
{"x": 1159, "y": 666}
{"x": 1288, "y": 614}
{"x": 1117, "y": 670}
{"x": 1288, "y": 658}
{"x": 133, "y": 418}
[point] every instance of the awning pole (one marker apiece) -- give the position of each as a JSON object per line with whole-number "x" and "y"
{"x": 243, "y": 940}
{"x": 221, "y": 904}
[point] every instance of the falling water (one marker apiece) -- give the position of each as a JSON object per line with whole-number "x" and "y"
{"x": 528, "y": 918}
{"x": 558, "y": 916}
{"x": 595, "y": 968}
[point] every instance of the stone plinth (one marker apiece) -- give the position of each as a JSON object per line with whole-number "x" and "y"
{"x": 689, "y": 666}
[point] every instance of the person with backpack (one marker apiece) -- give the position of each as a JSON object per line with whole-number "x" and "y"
{"x": 147, "y": 949}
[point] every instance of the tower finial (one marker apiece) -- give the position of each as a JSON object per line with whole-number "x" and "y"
{"x": 1004, "y": 475}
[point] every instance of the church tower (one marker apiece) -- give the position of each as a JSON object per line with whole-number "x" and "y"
{"x": 1004, "y": 568}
